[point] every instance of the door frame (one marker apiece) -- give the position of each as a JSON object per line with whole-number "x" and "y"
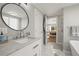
{"x": 45, "y": 22}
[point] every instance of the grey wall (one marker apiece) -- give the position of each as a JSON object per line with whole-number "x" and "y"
{"x": 71, "y": 18}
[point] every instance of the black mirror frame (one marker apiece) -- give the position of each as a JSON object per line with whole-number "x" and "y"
{"x": 20, "y": 7}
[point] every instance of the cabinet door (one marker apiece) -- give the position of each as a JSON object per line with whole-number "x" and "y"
{"x": 36, "y": 47}
{"x": 26, "y": 51}
{"x": 36, "y": 51}
{"x": 33, "y": 49}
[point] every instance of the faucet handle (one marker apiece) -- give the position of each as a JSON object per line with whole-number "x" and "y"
{"x": 28, "y": 33}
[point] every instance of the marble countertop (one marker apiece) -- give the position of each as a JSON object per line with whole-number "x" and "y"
{"x": 75, "y": 45}
{"x": 12, "y": 46}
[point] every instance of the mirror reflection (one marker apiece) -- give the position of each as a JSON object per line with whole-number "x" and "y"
{"x": 15, "y": 16}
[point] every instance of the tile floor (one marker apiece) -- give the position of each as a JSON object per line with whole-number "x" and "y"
{"x": 52, "y": 49}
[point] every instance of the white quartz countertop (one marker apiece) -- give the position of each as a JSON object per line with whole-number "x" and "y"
{"x": 12, "y": 46}
{"x": 75, "y": 45}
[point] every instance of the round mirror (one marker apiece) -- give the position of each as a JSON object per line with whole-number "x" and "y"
{"x": 14, "y": 16}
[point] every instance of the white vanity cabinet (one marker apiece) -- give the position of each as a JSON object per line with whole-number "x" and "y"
{"x": 36, "y": 48}
{"x": 33, "y": 49}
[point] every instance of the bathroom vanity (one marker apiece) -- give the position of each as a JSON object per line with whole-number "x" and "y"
{"x": 12, "y": 48}
{"x": 33, "y": 49}
{"x": 74, "y": 44}
{"x": 16, "y": 18}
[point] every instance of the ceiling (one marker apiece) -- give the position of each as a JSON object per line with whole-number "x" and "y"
{"x": 50, "y": 9}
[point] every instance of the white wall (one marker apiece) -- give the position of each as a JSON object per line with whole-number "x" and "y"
{"x": 71, "y": 18}
{"x": 52, "y": 20}
{"x": 30, "y": 11}
{"x": 59, "y": 36}
{"x": 38, "y": 24}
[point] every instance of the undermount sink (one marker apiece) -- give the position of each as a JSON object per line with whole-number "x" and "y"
{"x": 22, "y": 40}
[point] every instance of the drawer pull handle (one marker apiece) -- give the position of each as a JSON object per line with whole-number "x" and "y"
{"x": 35, "y": 46}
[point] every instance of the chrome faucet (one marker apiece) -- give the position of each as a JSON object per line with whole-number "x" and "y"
{"x": 27, "y": 34}
{"x": 20, "y": 34}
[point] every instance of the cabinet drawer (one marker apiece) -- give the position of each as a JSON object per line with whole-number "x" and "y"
{"x": 36, "y": 48}
{"x": 36, "y": 51}
{"x": 35, "y": 44}
{"x": 30, "y": 50}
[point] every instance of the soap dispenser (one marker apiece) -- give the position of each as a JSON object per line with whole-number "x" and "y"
{"x": 1, "y": 33}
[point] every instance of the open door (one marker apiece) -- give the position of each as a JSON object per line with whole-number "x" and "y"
{"x": 51, "y": 29}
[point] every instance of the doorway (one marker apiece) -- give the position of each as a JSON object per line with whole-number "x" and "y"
{"x": 51, "y": 29}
